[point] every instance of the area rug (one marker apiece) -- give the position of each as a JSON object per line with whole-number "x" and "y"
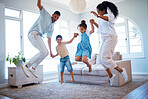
{"x": 54, "y": 90}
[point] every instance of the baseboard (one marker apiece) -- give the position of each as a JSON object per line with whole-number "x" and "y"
{"x": 140, "y": 73}
{"x": 3, "y": 85}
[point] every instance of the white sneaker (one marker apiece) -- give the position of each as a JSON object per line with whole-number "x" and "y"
{"x": 34, "y": 73}
{"x": 112, "y": 79}
{"x": 124, "y": 74}
{"x": 25, "y": 70}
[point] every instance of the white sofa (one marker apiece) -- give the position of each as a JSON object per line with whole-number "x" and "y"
{"x": 98, "y": 74}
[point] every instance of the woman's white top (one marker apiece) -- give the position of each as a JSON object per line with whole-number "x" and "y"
{"x": 107, "y": 27}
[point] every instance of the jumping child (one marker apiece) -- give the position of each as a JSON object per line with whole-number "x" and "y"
{"x": 63, "y": 52}
{"x": 84, "y": 49}
{"x": 107, "y": 13}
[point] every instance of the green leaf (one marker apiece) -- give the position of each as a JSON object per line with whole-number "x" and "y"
{"x": 15, "y": 61}
{"x": 16, "y": 58}
{"x": 7, "y": 59}
{"x": 24, "y": 60}
{"x": 10, "y": 61}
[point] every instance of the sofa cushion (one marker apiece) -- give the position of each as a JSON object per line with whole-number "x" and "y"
{"x": 97, "y": 70}
{"x": 116, "y": 57}
{"x": 77, "y": 68}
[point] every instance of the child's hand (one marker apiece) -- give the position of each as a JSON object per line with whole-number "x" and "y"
{"x": 76, "y": 34}
{"x": 94, "y": 13}
{"x": 53, "y": 56}
{"x": 92, "y": 21}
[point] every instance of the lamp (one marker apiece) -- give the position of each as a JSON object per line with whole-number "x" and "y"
{"x": 77, "y": 6}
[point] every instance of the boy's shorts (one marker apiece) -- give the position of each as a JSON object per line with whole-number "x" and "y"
{"x": 65, "y": 62}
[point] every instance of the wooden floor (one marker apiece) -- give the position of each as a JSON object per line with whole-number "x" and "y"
{"x": 3, "y": 97}
{"x": 139, "y": 93}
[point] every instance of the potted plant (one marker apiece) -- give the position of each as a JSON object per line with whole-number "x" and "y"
{"x": 17, "y": 60}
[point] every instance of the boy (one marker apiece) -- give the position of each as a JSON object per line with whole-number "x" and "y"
{"x": 43, "y": 25}
{"x": 63, "y": 52}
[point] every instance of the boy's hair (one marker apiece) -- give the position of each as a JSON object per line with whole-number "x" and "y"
{"x": 105, "y": 4}
{"x": 83, "y": 24}
{"x": 57, "y": 12}
{"x": 58, "y": 36}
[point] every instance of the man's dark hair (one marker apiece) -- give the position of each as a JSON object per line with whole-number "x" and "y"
{"x": 58, "y": 36}
{"x": 58, "y": 13}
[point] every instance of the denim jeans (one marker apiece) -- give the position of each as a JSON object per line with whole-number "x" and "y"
{"x": 65, "y": 62}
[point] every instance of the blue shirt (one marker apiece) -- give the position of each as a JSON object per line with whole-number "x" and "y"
{"x": 43, "y": 24}
{"x": 85, "y": 37}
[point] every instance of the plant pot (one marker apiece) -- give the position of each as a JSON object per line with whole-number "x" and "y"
{"x": 20, "y": 63}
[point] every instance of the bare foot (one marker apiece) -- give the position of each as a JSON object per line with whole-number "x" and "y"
{"x": 73, "y": 80}
{"x": 61, "y": 81}
{"x": 90, "y": 69}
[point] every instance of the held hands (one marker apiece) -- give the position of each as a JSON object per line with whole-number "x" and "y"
{"x": 51, "y": 54}
{"x": 75, "y": 35}
{"x": 94, "y": 13}
{"x": 92, "y": 21}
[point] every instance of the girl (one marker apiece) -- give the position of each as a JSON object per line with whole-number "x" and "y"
{"x": 84, "y": 49}
{"x": 107, "y": 13}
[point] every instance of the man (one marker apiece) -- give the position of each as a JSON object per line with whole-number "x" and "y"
{"x": 43, "y": 25}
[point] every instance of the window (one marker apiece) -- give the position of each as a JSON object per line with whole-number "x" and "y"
{"x": 12, "y": 13}
{"x": 135, "y": 38}
{"x": 13, "y": 34}
{"x": 95, "y": 41}
{"x": 64, "y": 30}
{"x": 12, "y": 37}
{"x": 64, "y": 25}
{"x": 129, "y": 38}
{"x": 28, "y": 20}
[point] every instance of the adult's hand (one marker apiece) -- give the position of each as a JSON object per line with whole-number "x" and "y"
{"x": 93, "y": 12}
{"x": 39, "y": 5}
{"x": 92, "y": 21}
{"x": 76, "y": 34}
{"x": 51, "y": 54}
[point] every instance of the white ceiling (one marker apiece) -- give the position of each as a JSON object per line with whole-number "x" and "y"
{"x": 91, "y": 4}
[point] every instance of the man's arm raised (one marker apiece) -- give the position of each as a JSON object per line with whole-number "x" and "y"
{"x": 39, "y": 5}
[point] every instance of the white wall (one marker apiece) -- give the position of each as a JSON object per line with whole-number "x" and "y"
{"x": 31, "y": 5}
{"x": 137, "y": 10}
{"x": 2, "y": 44}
